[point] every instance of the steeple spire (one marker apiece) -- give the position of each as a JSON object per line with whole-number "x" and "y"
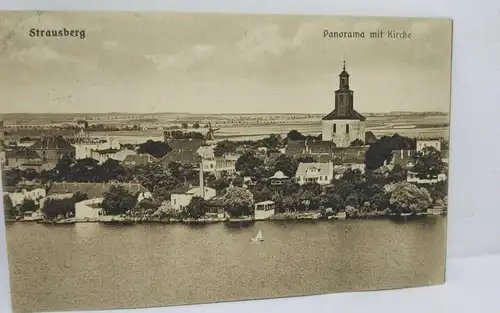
{"x": 343, "y": 68}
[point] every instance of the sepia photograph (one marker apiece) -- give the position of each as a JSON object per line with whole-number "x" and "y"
{"x": 162, "y": 159}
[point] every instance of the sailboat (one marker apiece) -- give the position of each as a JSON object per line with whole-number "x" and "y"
{"x": 259, "y": 237}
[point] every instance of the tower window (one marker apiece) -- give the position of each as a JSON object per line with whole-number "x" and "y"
{"x": 347, "y": 129}
{"x": 334, "y": 128}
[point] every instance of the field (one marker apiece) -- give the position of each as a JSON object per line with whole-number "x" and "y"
{"x": 236, "y": 128}
{"x": 411, "y": 126}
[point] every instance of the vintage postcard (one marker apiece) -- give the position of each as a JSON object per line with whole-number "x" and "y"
{"x": 159, "y": 159}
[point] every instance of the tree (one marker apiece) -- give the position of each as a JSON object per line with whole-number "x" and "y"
{"x": 63, "y": 168}
{"x": 155, "y": 148}
{"x": 220, "y": 184}
{"x": 225, "y": 146}
{"x": 118, "y": 201}
{"x": 185, "y": 125}
{"x": 10, "y": 177}
{"x": 9, "y": 209}
{"x": 332, "y": 200}
{"x": 157, "y": 179}
{"x": 249, "y": 165}
{"x": 112, "y": 170}
{"x": 428, "y": 163}
{"x": 30, "y": 174}
{"x": 397, "y": 174}
{"x": 196, "y": 125}
{"x": 408, "y": 198}
{"x": 183, "y": 172}
{"x": 145, "y": 207}
{"x": 29, "y": 205}
{"x": 357, "y": 143}
{"x": 306, "y": 159}
{"x": 55, "y": 207}
{"x": 238, "y": 201}
{"x": 196, "y": 208}
{"x": 85, "y": 170}
{"x": 286, "y": 164}
{"x": 80, "y": 196}
{"x": 274, "y": 141}
{"x": 381, "y": 151}
{"x": 262, "y": 193}
{"x": 294, "y": 135}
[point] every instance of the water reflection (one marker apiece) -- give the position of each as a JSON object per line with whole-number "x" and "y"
{"x": 92, "y": 266}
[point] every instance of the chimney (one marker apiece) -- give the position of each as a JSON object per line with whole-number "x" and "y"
{"x": 202, "y": 182}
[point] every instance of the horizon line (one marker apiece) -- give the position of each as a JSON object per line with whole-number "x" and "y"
{"x": 222, "y": 113}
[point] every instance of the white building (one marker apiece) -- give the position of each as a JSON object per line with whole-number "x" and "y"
{"x": 343, "y": 125}
{"x": 18, "y": 198}
{"x": 412, "y": 178}
{"x": 321, "y": 173}
{"x": 84, "y": 150}
{"x": 264, "y": 210}
{"x": 217, "y": 166}
{"x": 88, "y": 209}
{"x": 434, "y": 143}
{"x": 103, "y": 155}
{"x": 278, "y": 179}
{"x": 182, "y": 197}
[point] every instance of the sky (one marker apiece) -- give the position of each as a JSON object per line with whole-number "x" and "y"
{"x": 218, "y": 63}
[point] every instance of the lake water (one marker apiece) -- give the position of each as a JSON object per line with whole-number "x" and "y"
{"x": 96, "y": 266}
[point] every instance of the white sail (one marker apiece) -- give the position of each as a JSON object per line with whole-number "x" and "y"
{"x": 259, "y": 235}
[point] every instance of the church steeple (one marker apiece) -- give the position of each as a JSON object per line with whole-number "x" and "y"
{"x": 344, "y": 79}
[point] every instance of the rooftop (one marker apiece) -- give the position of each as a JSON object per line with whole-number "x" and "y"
{"x": 51, "y": 143}
{"x": 22, "y": 154}
{"x": 185, "y": 144}
{"x": 352, "y": 116}
{"x": 323, "y": 168}
{"x": 93, "y": 190}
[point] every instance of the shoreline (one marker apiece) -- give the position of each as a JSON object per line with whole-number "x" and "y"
{"x": 206, "y": 221}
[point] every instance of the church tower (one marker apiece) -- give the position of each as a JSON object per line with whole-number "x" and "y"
{"x": 343, "y": 125}
{"x": 344, "y": 96}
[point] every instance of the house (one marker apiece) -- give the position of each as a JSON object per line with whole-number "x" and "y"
{"x": 185, "y": 144}
{"x": 131, "y": 161}
{"x": 183, "y": 157}
{"x": 97, "y": 190}
{"x": 218, "y": 166}
{"x": 294, "y": 147}
{"x": 429, "y": 142}
{"x": 116, "y": 154}
{"x": 231, "y": 156}
{"x": 264, "y": 210}
{"x": 316, "y": 147}
{"x": 413, "y": 178}
{"x": 403, "y": 157}
{"x": 181, "y": 197}
{"x": 206, "y": 152}
{"x": 340, "y": 168}
{"x": 17, "y": 198}
{"x": 89, "y": 209}
{"x": 53, "y": 148}
{"x": 215, "y": 206}
{"x": 82, "y": 124}
{"x": 16, "y": 158}
{"x": 84, "y": 147}
{"x": 321, "y": 173}
{"x": 278, "y": 179}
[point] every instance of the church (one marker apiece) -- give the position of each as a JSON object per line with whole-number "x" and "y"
{"x": 343, "y": 125}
